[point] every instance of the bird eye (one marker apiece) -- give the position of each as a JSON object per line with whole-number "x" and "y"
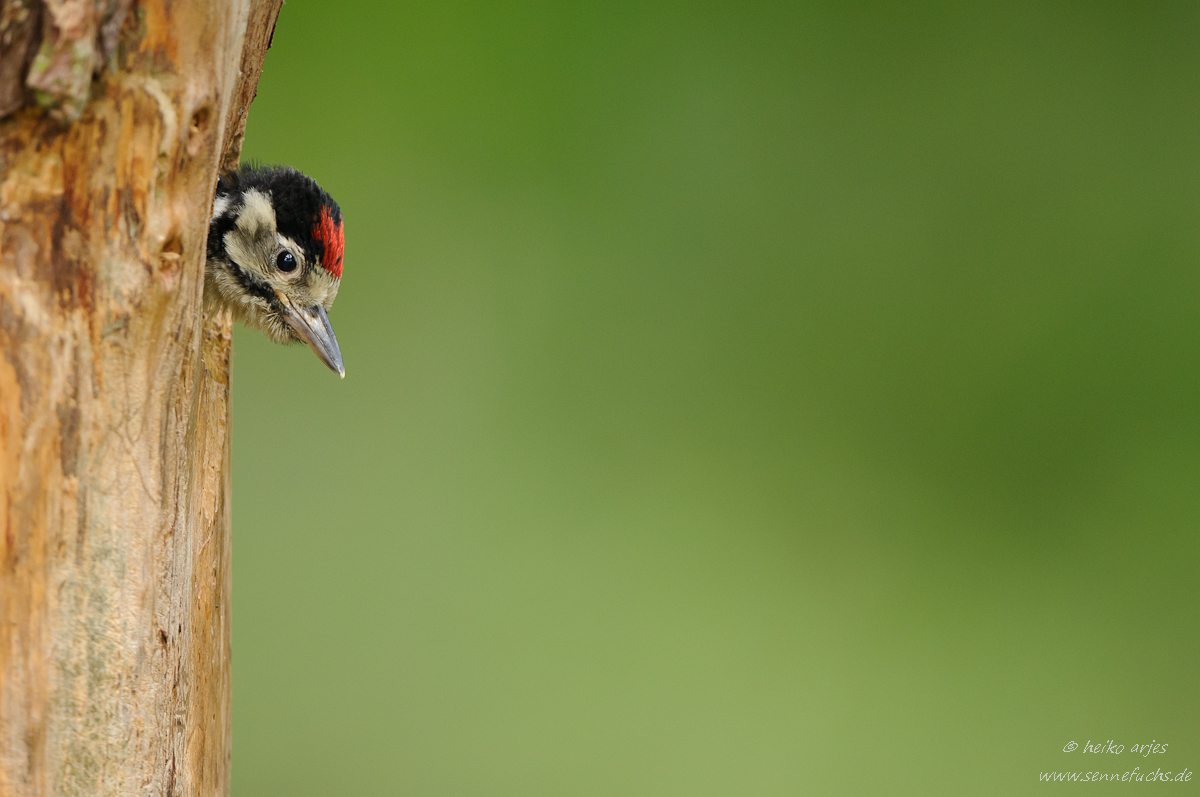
{"x": 286, "y": 261}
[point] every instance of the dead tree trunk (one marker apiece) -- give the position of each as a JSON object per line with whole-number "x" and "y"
{"x": 114, "y": 391}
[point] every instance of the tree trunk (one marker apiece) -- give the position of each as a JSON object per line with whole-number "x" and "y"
{"x": 114, "y": 392}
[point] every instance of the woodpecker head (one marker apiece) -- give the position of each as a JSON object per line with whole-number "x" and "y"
{"x": 275, "y": 256}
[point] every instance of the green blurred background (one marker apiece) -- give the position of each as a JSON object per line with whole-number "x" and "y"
{"x": 741, "y": 399}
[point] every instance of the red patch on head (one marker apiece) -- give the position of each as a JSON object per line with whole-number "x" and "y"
{"x": 329, "y": 232}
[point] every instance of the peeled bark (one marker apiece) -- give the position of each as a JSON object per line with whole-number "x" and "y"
{"x": 114, "y": 398}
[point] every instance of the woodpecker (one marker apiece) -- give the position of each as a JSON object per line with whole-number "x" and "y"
{"x": 275, "y": 256}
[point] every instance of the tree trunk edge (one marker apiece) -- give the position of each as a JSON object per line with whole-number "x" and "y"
{"x": 115, "y": 534}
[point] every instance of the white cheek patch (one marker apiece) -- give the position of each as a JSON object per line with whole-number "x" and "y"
{"x": 252, "y": 241}
{"x": 246, "y": 252}
{"x": 221, "y": 205}
{"x": 257, "y": 217}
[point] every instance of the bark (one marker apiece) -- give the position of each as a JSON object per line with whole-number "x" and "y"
{"x": 114, "y": 393}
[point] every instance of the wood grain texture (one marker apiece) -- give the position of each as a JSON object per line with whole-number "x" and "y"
{"x": 114, "y": 417}
{"x": 20, "y": 25}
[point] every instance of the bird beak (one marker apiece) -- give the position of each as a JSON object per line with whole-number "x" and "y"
{"x": 311, "y": 325}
